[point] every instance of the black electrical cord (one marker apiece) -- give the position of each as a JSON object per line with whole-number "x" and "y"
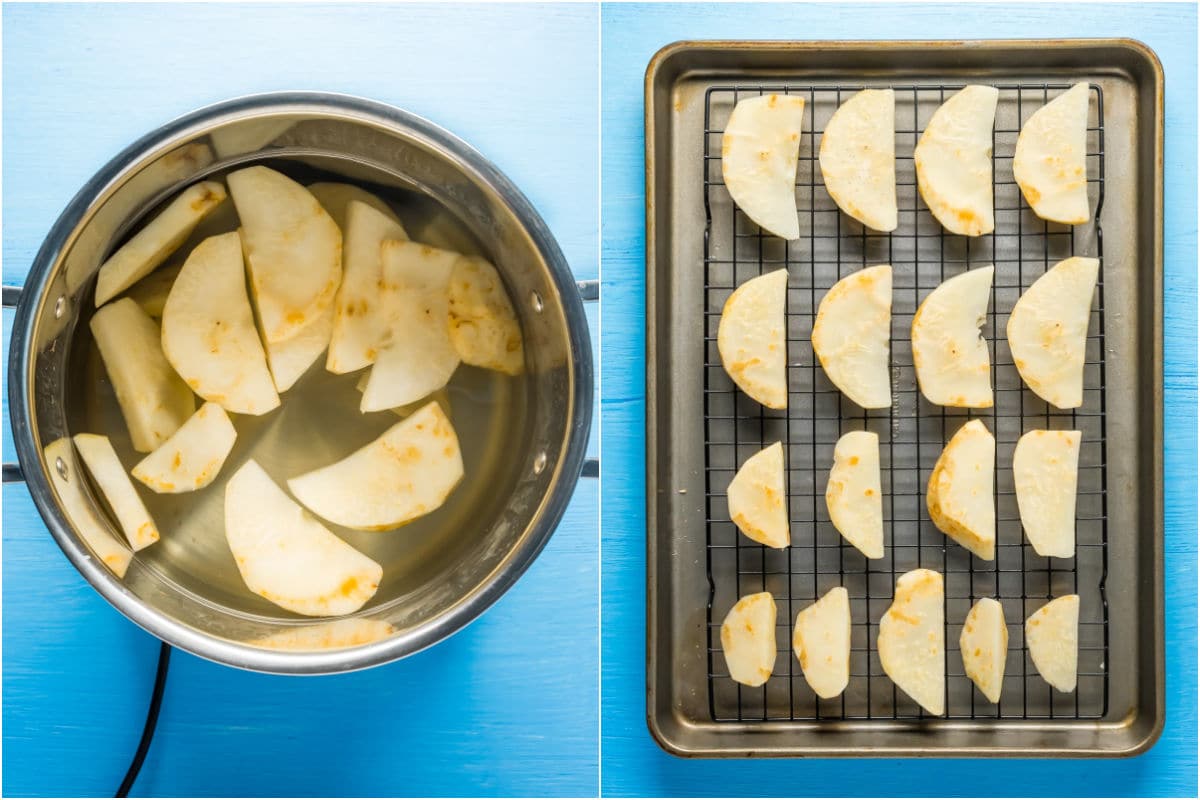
{"x": 156, "y": 697}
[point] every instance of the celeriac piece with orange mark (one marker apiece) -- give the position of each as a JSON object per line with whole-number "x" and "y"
{"x": 748, "y": 639}
{"x": 1045, "y": 476}
{"x": 193, "y": 456}
{"x": 912, "y": 639}
{"x": 984, "y": 647}
{"x": 959, "y": 495}
{"x": 858, "y": 158}
{"x": 336, "y": 198}
{"x": 290, "y": 360}
{"x": 949, "y": 352}
{"x": 1050, "y": 162}
{"x": 760, "y": 149}
{"x": 821, "y": 641}
{"x": 483, "y": 324}
{"x": 406, "y": 473}
{"x": 752, "y": 338}
{"x": 853, "y": 494}
{"x": 109, "y": 473}
{"x": 1052, "y": 636}
{"x": 954, "y": 161}
{"x": 288, "y": 557}
{"x": 757, "y": 498}
{"x": 851, "y": 334}
{"x": 80, "y": 509}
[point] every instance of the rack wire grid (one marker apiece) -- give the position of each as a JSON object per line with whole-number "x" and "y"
{"x": 912, "y": 432}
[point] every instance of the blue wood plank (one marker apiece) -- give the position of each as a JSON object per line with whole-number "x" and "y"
{"x": 632, "y": 764}
{"x": 505, "y": 707}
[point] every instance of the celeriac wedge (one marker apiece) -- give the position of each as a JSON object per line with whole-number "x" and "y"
{"x": 80, "y": 511}
{"x": 108, "y": 472}
{"x": 851, "y": 334}
{"x": 333, "y": 635}
{"x": 959, "y": 495}
{"x": 291, "y": 359}
{"x": 154, "y": 400}
{"x": 441, "y": 397}
{"x": 759, "y": 152}
{"x": 1050, "y": 160}
{"x": 912, "y": 639}
{"x": 483, "y": 325}
{"x": 757, "y": 498}
{"x": 949, "y": 352}
{"x": 1045, "y": 476}
{"x": 287, "y": 556}
{"x": 1047, "y": 331}
{"x": 853, "y": 494}
{"x": 1052, "y": 636}
{"x": 984, "y": 647}
{"x": 407, "y": 472}
{"x": 336, "y": 198}
{"x": 858, "y": 158}
{"x": 954, "y": 161}
{"x": 249, "y": 135}
{"x": 151, "y": 291}
{"x": 193, "y": 456}
{"x": 752, "y": 338}
{"x": 208, "y": 332}
{"x": 821, "y": 641}
{"x": 748, "y": 639}
{"x": 160, "y": 237}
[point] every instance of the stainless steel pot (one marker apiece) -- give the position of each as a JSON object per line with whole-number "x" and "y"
{"x": 442, "y": 576}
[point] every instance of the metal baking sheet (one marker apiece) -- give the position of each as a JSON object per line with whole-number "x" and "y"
{"x": 699, "y": 427}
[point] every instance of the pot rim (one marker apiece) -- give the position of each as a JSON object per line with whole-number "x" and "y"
{"x": 547, "y": 516}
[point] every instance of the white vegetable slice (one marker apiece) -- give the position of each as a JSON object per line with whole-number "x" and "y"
{"x": 984, "y": 647}
{"x": 912, "y": 639}
{"x": 483, "y": 325}
{"x": 759, "y": 152}
{"x": 441, "y": 396}
{"x": 858, "y": 158}
{"x": 293, "y": 250}
{"x": 359, "y": 322}
{"x": 1045, "y": 476}
{"x": 154, "y": 400}
{"x": 249, "y": 135}
{"x": 208, "y": 331}
{"x": 1052, "y": 636}
{"x": 853, "y": 494}
{"x": 757, "y": 498}
{"x": 109, "y": 473}
{"x": 748, "y": 639}
{"x": 1049, "y": 163}
{"x": 80, "y": 511}
{"x": 291, "y": 359}
{"x": 821, "y": 641}
{"x": 151, "y": 246}
{"x": 959, "y": 495}
{"x": 1047, "y": 331}
{"x": 416, "y": 356}
{"x": 954, "y": 161}
{"x": 949, "y": 352}
{"x": 333, "y": 635}
{"x": 287, "y": 556}
{"x": 151, "y": 291}
{"x": 407, "y": 472}
{"x": 752, "y": 338}
{"x": 851, "y": 333}
{"x": 336, "y": 198}
{"x": 191, "y": 458}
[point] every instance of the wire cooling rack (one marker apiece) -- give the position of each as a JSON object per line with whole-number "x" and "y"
{"x": 912, "y": 432}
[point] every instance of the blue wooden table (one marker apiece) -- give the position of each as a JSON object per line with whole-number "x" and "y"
{"x": 632, "y": 763}
{"x": 506, "y": 706}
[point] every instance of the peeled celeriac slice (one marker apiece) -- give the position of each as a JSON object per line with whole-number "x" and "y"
{"x": 359, "y": 322}
{"x": 249, "y": 136}
{"x": 954, "y": 161}
{"x": 851, "y": 333}
{"x": 950, "y": 354}
{"x": 193, "y": 456}
{"x": 853, "y": 494}
{"x": 108, "y": 472}
{"x": 287, "y": 556}
{"x": 151, "y": 291}
{"x": 752, "y": 338}
{"x": 483, "y": 325}
{"x": 416, "y": 355}
{"x": 208, "y": 331}
{"x": 79, "y": 509}
{"x": 151, "y": 246}
{"x": 407, "y": 472}
{"x": 336, "y": 198}
{"x": 759, "y": 152}
{"x": 291, "y": 359}
{"x": 912, "y": 639}
{"x": 984, "y": 647}
{"x": 1045, "y": 476}
{"x": 154, "y": 400}
{"x": 1052, "y": 636}
{"x": 858, "y": 158}
{"x": 333, "y": 635}
{"x": 1049, "y": 163}
{"x": 959, "y": 495}
{"x": 293, "y": 250}
{"x": 748, "y": 639}
{"x": 822, "y": 643}
{"x": 757, "y": 498}
{"x": 441, "y": 397}
{"x": 1047, "y": 331}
